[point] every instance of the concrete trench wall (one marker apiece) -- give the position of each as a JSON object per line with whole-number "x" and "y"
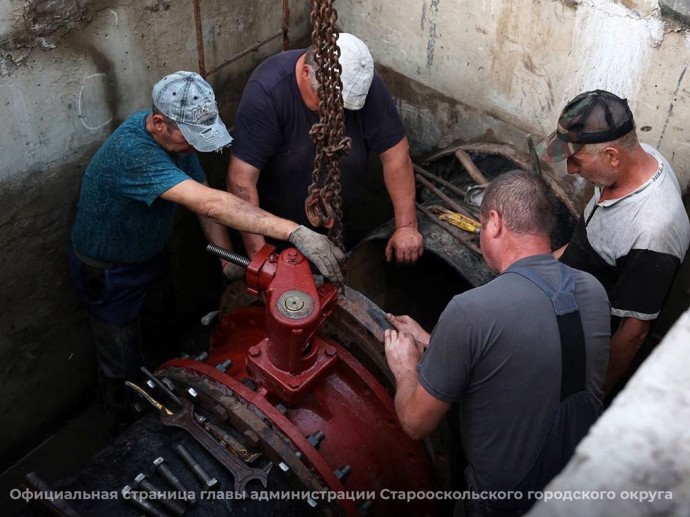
{"x": 521, "y": 61}
{"x": 468, "y": 70}
{"x": 70, "y": 72}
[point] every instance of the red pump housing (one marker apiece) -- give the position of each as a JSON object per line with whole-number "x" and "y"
{"x": 333, "y": 415}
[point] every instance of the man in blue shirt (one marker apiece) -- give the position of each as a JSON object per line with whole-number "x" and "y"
{"x": 125, "y": 216}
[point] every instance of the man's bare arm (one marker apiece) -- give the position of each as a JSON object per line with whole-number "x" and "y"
{"x": 406, "y": 244}
{"x": 419, "y": 412}
{"x": 228, "y": 210}
{"x": 625, "y": 343}
{"x": 241, "y": 180}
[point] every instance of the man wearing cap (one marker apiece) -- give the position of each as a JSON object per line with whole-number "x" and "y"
{"x": 273, "y": 155}
{"x": 118, "y": 253}
{"x": 634, "y": 232}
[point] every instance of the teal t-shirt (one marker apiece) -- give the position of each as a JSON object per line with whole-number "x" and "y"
{"x": 120, "y": 215}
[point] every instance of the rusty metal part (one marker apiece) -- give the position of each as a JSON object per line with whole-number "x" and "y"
{"x": 447, "y": 200}
{"x": 470, "y": 167}
{"x": 172, "y": 479}
{"x": 533, "y": 156}
{"x": 184, "y": 419}
{"x": 521, "y": 160}
{"x": 142, "y": 504}
{"x": 228, "y": 406}
{"x": 455, "y": 190}
{"x": 448, "y": 228}
{"x": 149, "y": 487}
{"x": 201, "y": 59}
{"x": 242, "y": 473}
{"x": 286, "y": 25}
{"x": 246, "y": 51}
{"x": 56, "y": 505}
{"x": 229, "y": 441}
{"x": 323, "y": 205}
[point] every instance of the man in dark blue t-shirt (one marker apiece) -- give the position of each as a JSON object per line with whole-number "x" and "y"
{"x": 125, "y": 216}
{"x": 273, "y": 155}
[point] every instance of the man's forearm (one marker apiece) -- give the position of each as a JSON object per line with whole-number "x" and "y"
{"x": 406, "y": 384}
{"x": 401, "y": 189}
{"x": 216, "y": 234}
{"x": 625, "y": 343}
{"x": 247, "y": 191}
{"x": 398, "y": 176}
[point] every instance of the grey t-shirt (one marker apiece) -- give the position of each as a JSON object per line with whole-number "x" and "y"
{"x": 496, "y": 349}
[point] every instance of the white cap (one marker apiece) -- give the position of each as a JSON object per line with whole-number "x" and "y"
{"x": 189, "y": 100}
{"x": 357, "y": 70}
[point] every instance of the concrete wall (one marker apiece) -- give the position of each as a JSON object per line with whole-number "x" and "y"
{"x": 70, "y": 72}
{"x": 521, "y": 61}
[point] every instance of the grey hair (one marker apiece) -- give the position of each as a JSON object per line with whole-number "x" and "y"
{"x": 310, "y": 61}
{"x": 524, "y": 201}
{"x": 627, "y": 142}
{"x": 168, "y": 121}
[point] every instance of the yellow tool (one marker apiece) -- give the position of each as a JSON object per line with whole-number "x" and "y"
{"x": 456, "y": 219}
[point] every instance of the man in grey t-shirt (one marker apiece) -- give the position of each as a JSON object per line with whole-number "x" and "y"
{"x": 634, "y": 232}
{"x": 497, "y": 348}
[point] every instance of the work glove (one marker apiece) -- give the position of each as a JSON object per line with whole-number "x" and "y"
{"x": 234, "y": 272}
{"x": 319, "y": 250}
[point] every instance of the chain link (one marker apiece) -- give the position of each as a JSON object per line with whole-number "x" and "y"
{"x": 324, "y": 202}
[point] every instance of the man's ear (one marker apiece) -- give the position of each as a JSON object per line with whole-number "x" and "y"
{"x": 494, "y": 225}
{"x": 613, "y": 155}
{"x": 158, "y": 121}
{"x": 305, "y": 72}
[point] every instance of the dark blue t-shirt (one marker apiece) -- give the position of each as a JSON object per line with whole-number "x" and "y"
{"x": 271, "y": 132}
{"x": 120, "y": 216}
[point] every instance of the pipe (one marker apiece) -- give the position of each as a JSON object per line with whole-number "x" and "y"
{"x": 245, "y": 51}
{"x": 470, "y": 167}
{"x": 199, "y": 39}
{"x": 284, "y": 32}
{"x": 448, "y": 201}
{"x": 286, "y": 25}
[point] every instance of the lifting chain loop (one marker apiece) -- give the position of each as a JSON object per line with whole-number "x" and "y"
{"x": 324, "y": 203}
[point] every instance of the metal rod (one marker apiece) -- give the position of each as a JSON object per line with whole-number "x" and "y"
{"x": 451, "y": 203}
{"x": 236, "y": 259}
{"x": 286, "y": 25}
{"x": 470, "y": 167}
{"x": 458, "y": 235}
{"x": 199, "y": 39}
{"x": 161, "y": 385}
{"x": 454, "y": 189}
{"x": 533, "y": 156}
{"x": 245, "y": 51}
{"x": 433, "y": 177}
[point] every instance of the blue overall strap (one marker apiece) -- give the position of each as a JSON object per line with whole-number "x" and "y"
{"x": 573, "y": 354}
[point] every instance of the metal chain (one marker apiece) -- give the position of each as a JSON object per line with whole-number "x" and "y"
{"x": 324, "y": 203}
